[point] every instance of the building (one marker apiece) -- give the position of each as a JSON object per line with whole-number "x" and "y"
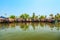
{"x": 2, "y": 19}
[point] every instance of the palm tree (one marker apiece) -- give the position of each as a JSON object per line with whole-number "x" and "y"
{"x": 33, "y": 16}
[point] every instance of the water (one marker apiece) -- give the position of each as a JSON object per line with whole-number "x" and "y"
{"x": 30, "y": 31}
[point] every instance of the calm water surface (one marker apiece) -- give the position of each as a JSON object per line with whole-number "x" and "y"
{"x": 30, "y": 31}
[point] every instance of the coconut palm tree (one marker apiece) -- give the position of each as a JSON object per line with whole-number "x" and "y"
{"x": 33, "y": 16}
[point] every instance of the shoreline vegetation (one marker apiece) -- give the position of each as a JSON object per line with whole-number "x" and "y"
{"x": 27, "y": 18}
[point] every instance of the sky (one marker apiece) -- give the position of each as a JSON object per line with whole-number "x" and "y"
{"x": 39, "y": 7}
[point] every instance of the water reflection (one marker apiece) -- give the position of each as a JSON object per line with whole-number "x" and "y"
{"x": 33, "y": 26}
{"x": 30, "y": 31}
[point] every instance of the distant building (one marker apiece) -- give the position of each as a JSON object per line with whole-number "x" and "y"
{"x": 2, "y": 18}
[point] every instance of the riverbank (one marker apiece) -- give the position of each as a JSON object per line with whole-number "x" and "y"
{"x": 26, "y": 18}
{"x": 9, "y": 20}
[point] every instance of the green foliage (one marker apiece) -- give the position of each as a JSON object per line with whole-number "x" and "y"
{"x": 12, "y": 16}
{"x": 51, "y": 15}
{"x": 42, "y": 17}
{"x": 33, "y": 16}
{"x": 57, "y": 16}
{"x": 24, "y": 16}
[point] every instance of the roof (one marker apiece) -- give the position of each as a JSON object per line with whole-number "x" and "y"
{"x": 2, "y": 17}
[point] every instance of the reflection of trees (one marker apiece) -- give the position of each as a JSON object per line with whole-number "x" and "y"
{"x": 42, "y": 24}
{"x": 51, "y": 25}
{"x": 34, "y": 25}
{"x": 57, "y": 25}
{"x": 17, "y": 24}
{"x": 0, "y": 25}
{"x": 24, "y": 26}
{"x": 4, "y": 25}
{"x": 12, "y": 24}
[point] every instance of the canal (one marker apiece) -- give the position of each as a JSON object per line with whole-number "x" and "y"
{"x": 30, "y": 31}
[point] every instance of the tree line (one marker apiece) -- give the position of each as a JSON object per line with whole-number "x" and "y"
{"x": 26, "y": 16}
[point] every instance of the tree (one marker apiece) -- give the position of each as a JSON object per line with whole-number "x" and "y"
{"x": 51, "y": 15}
{"x": 12, "y": 16}
{"x": 42, "y": 17}
{"x": 33, "y": 16}
{"x": 24, "y": 16}
{"x": 57, "y": 16}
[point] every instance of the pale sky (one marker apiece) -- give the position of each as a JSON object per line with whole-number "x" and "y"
{"x": 40, "y": 7}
